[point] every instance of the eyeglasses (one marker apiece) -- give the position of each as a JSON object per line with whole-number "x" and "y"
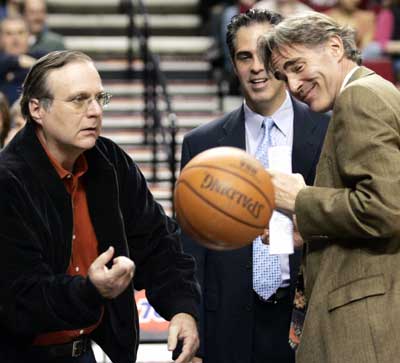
{"x": 82, "y": 102}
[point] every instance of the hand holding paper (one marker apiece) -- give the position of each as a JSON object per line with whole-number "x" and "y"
{"x": 281, "y": 229}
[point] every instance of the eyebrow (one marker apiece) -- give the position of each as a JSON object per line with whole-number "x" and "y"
{"x": 242, "y": 52}
{"x": 290, "y": 62}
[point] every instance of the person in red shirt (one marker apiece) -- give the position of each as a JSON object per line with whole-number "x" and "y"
{"x": 80, "y": 230}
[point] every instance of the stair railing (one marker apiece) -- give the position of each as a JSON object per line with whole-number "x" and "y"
{"x": 154, "y": 83}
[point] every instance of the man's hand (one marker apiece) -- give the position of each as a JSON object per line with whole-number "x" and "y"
{"x": 183, "y": 327}
{"x": 286, "y": 187}
{"x": 197, "y": 360}
{"x": 111, "y": 282}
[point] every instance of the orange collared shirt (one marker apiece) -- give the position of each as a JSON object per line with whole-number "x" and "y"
{"x": 84, "y": 241}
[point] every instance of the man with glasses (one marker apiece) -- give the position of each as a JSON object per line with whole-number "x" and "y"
{"x": 80, "y": 230}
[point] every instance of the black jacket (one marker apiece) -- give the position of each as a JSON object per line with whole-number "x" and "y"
{"x": 36, "y": 295}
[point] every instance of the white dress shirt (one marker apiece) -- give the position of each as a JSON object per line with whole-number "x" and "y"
{"x": 283, "y": 119}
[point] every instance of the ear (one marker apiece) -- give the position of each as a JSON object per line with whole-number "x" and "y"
{"x": 36, "y": 110}
{"x": 335, "y": 46}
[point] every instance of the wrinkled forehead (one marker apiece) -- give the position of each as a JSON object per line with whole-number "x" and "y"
{"x": 73, "y": 77}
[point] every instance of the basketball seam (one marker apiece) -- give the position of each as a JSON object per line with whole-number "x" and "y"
{"x": 232, "y": 173}
{"x": 216, "y": 207}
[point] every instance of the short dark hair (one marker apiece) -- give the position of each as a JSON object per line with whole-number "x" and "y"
{"x": 250, "y": 17}
{"x": 35, "y": 83}
{"x": 310, "y": 29}
{"x": 5, "y": 118}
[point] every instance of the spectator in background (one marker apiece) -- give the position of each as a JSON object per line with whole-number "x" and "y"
{"x": 9, "y": 8}
{"x": 385, "y": 23}
{"x": 17, "y": 121}
{"x": 15, "y": 60}
{"x": 283, "y": 7}
{"x": 41, "y": 38}
{"x": 348, "y": 12}
{"x": 4, "y": 119}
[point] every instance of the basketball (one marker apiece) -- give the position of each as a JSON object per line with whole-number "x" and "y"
{"x": 224, "y": 198}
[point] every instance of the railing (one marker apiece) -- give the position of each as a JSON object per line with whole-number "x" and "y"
{"x": 154, "y": 82}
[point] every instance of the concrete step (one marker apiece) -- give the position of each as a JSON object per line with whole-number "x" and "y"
{"x": 174, "y": 88}
{"x": 111, "y": 46}
{"x": 134, "y": 137}
{"x": 116, "y": 24}
{"x": 143, "y": 154}
{"x": 113, "y": 6}
{"x": 183, "y": 70}
{"x": 128, "y": 122}
{"x": 206, "y": 104}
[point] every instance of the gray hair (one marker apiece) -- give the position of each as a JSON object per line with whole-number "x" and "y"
{"x": 35, "y": 83}
{"x": 310, "y": 29}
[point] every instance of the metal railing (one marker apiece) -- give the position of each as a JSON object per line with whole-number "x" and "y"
{"x": 155, "y": 133}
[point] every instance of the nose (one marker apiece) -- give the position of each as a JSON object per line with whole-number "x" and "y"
{"x": 295, "y": 85}
{"x": 257, "y": 65}
{"x": 94, "y": 107}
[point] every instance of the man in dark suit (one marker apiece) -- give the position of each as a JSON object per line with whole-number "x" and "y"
{"x": 237, "y": 325}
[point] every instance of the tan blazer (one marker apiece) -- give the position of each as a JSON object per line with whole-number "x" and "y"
{"x": 351, "y": 221}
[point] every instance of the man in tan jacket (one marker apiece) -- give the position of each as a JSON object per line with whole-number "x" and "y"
{"x": 350, "y": 219}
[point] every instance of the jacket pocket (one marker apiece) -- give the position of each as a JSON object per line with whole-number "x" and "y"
{"x": 356, "y": 290}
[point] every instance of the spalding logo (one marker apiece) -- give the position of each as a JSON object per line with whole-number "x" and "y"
{"x": 213, "y": 184}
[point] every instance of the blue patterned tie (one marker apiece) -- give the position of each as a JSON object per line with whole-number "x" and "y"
{"x": 267, "y": 275}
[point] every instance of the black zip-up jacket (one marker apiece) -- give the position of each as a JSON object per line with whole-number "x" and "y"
{"x": 36, "y": 295}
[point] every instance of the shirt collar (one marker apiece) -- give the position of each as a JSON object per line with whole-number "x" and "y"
{"x": 282, "y": 121}
{"x": 348, "y": 76}
{"x": 80, "y": 168}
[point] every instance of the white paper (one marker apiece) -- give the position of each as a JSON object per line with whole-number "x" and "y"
{"x": 280, "y": 225}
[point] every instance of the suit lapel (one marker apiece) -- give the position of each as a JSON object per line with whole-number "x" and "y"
{"x": 234, "y": 130}
{"x": 305, "y": 146}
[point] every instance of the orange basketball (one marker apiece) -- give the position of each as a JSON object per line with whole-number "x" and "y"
{"x": 224, "y": 198}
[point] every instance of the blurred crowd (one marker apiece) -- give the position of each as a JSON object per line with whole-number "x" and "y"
{"x": 24, "y": 37}
{"x": 376, "y": 22}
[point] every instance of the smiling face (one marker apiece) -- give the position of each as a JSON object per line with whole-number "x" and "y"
{"x": 263, "y": 93}
{"x": 313, "y": 75}
{"x": 64, "y": 126}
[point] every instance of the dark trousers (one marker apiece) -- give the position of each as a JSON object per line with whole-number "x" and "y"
{"x": 271, "y": 331}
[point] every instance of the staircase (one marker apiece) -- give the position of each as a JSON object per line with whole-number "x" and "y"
{"x": 98, "y": 28}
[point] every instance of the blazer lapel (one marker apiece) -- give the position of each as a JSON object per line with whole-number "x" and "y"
{"x": 234, "y": 130}
{"x": 305, "y": 146}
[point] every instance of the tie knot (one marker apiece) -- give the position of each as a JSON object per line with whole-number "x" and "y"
{"x": 268, "y": 123}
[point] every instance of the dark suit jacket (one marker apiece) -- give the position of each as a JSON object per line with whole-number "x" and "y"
{"x": 226, "y": 325}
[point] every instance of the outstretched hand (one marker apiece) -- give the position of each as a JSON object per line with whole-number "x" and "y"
{"x": 183, "y": 327}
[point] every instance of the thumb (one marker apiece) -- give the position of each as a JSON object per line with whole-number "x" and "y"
{"x": 172, "y": 337}
{"x": 103, "y": 258}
